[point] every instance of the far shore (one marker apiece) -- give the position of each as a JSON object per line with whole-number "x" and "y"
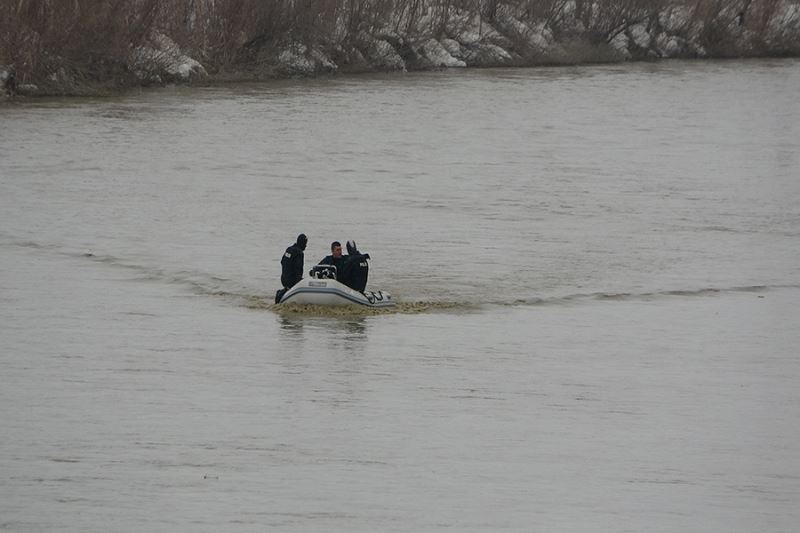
{"x": 106, "y": 90}
{"x": 152, "y": 50}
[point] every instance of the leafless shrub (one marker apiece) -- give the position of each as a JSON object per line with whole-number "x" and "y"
{"x": 602, "y": 20}
{"x": 95, "y": 37}
{"x": 758, "y": 17}
{"x": 550, "y": 12}
{"x": 734, "y": 27}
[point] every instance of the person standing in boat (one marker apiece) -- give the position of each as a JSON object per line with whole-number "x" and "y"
{"x": 292, "y": 265}
{"x": 355, "y": 268}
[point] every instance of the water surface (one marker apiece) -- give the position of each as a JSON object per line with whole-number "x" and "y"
{"x": 606, "y": 257}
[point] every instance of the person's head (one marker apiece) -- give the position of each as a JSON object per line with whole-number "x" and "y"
{"x": 351, "y": 247}
{"x": 336, "y": 249}
{"x": 302, "y": 240}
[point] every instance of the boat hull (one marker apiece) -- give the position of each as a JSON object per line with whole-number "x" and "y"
{"x": 330, "y": 292}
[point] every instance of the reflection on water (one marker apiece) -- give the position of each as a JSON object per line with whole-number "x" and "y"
{"x": 292, "y": 326}
{"x": 355, "y": 328}
{"x": 293, "y": 323}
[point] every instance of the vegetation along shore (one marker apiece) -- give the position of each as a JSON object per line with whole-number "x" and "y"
{"x": 89, "y": 47}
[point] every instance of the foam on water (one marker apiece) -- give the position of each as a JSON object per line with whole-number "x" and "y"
{"x": 360, "y": 310}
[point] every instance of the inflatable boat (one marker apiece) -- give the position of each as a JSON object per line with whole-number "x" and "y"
{"x": 323, "y": 289}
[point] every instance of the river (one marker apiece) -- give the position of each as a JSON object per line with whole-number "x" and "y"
{"x": 598, "y": 271}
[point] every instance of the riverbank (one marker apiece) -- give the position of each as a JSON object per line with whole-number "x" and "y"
{"x": 434, "y": 36}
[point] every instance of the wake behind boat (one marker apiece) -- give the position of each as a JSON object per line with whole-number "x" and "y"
{"x": 318, "y": 291}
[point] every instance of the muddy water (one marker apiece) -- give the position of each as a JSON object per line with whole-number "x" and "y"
{"x": 597, "y": 275}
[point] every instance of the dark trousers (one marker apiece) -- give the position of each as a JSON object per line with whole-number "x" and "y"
{"x": 279, "y": 294}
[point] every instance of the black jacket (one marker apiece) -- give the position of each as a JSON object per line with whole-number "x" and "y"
{"x": 292, "y": 266}
{"x": 330, "y": 260}
{"x": 354, "y": 271}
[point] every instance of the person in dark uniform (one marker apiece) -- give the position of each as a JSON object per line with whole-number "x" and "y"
{"x": 292, "y": 265}
{"x": 355, "y": 270}
{"x": 335, "y": 258}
